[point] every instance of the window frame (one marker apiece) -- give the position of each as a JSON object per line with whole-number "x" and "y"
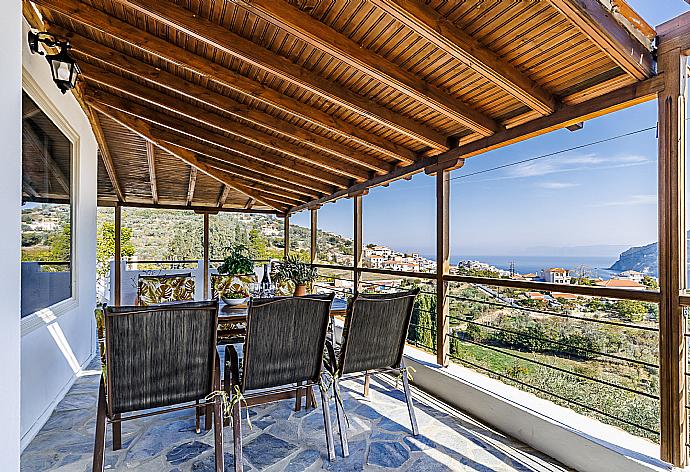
{"x": 52, "y": 313}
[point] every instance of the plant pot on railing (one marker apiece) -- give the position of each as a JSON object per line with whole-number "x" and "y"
{"x": 293, "y": 270}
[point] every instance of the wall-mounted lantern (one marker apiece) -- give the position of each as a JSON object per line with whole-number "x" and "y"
{"x": 62, "y": 65}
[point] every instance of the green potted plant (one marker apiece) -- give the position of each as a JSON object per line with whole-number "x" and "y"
{"x": 236, "y": 273}
{"x": 300, "y": 273}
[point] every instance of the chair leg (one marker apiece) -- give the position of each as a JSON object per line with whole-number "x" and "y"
{"x": 208, "y": 417}
{"x": 298, "y": 397}
{"x": 99, "y": 444}
{"x": 340, "y": 414}
{"x": 117, "y": 433}
{"x": 197, "y": 410}
{"x": 218, "y": 434}
{"x": 327, "y": 425}
{"x": 366, "y": 384}
{"x": 408, "y": 398}
{"x": 237, "y": 437}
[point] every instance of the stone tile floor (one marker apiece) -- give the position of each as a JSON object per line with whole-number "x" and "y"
{"x": 284, "y": 440}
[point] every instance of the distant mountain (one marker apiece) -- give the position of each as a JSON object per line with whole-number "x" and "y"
{"x": 643, "y": 259}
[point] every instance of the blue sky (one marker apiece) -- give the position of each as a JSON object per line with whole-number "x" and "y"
{"x": 602, "y": 195}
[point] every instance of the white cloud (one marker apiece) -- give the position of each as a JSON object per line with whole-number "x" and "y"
{"x": 572, "y": 163}
{"x": 556, "y": 185}
{"x": 632, "y": 200}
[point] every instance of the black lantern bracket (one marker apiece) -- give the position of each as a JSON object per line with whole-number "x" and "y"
{"x": 62, "y": 65}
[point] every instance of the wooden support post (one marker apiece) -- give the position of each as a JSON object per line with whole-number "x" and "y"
{"x": 314, "y": 228}
{"x": 206, "y": 254}
{"x": 357, "y": 241}
{"x": 442, "y": 263}
{"x": 286, "y": 237}
{"x": 118, "y": 256}
{"x": 672, "y": 256}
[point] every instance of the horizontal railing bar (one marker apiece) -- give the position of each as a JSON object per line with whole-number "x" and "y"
{"x": 375, "y": 284}
{"x": 333, "y": 289}
{"x": 565, "y": 371}
{"x": 398, "y": 273}
{"x": 196, "y": 261}
{"x": 620, "y": 293}
{"x": 50, "y": 262}
{"x": 684, "y": 299}
{"x": 554, "y": 313}
{"x": 583, "y": 349}
{"x": 331, "y": 266}
{"x": 555, "y": 395}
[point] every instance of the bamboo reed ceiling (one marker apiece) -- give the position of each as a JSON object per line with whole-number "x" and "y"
{"x": 279, "y": 104}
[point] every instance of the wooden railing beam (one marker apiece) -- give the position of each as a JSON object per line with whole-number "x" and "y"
{"x": 442, "y": 264}
{"x": 357, "y": 241}
{"x": 118, "y": 256}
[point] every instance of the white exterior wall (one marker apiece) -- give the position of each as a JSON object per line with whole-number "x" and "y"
{"x": 56, "y": 345}
{"x": 10, "y": 196}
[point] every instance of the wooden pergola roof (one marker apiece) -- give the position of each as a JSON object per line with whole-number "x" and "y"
{"x": 280, "y": 105}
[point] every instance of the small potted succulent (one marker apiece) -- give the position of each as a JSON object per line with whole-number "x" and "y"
{"x": 238, "y": 272}
{"x": 300, "y": 273}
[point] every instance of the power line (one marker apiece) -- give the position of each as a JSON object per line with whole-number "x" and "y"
{"x": 593, "y": 143}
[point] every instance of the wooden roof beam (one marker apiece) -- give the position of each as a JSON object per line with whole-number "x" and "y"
{"x": 142, "y": 129}
{"x": 324, "y": 38}
{"x": 617, "y": 100}
{"x": 249, "y": 204}
{"x": 155, "y": 75}
{"x": 223, "y": 197}
{"x": 249, "y": 156}
{"x": 192, "y": 185}
{"x": 151, "y": 160}
{"x": 129, "y": 87}
{"x": 600, "y": 26}
{"x": 106, "y": 156}
{"x": 433, "y": 27}
{"x": 159, "y": 47}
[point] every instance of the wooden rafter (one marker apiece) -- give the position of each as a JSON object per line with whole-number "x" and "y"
{"x": 222, "y": 198}
{"x": 251, "y": 153}
{"x": 142, "y": 129}
{"x": 599, "y": 25}
{"x": 249, "y": 204}
{"x": 134, "y": 89}
{"x": 192, "y": 185}
{"x": 151, "y": 160}
{"x": 617, "y": 100}
{"x": 321, "y": 36}
{"x": 106, "y": 156}
{"x": 426, "y": 22}
{"x": 157, "y": 46}
{"x": 93, "y": 50}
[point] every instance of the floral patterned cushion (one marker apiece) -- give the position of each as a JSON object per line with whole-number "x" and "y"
{"x": 221, "y": 284}
{"x": 153, "y": 290}
{"x": 285, "y": 288}
{"x": 100, "y": 334}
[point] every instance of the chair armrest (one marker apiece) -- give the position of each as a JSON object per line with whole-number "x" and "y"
{"x": 232, "y": 368}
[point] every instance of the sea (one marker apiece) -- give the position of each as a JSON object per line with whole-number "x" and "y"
{"x": 594, "y": 266}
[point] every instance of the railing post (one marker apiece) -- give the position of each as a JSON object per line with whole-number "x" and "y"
{"x": 672, "y": 256}
{"x": 442, "y": 264}
{"x": 357, "y": 241}
{"x": 286, "y": 236}
{"x": 313, "y": 249}
{"x": 206, "y": 254}
{"x": 118, "y": 256}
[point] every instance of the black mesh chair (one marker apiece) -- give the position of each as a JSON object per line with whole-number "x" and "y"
{"x": 158, "y": 357}
{"x": 373, "y": 341}
{"x": 284, "y": 346}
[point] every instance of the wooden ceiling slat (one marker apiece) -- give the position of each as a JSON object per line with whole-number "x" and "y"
{"x": 311, "y": 177}
{"x": 177, "y": 84}
{"x": 221, "y": 73}
{"x": 468, "y": 50}
{"x": 94, "y": 73}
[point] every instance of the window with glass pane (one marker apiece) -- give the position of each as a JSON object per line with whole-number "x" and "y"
{"x": 46, "y": 211}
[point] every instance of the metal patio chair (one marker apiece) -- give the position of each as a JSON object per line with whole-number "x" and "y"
{"x": 283, "y": 348}
{"x": 162, "y": 358}
{"x": 373, "y": 340}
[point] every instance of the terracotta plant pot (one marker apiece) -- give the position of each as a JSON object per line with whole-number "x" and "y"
{"x": 300, "y": 290}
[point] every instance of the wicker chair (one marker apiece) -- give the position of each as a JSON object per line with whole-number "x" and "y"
{"x": 284, "y": 346}
{"x": 373, "y": 340}
{"x": 158, "y": 357}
